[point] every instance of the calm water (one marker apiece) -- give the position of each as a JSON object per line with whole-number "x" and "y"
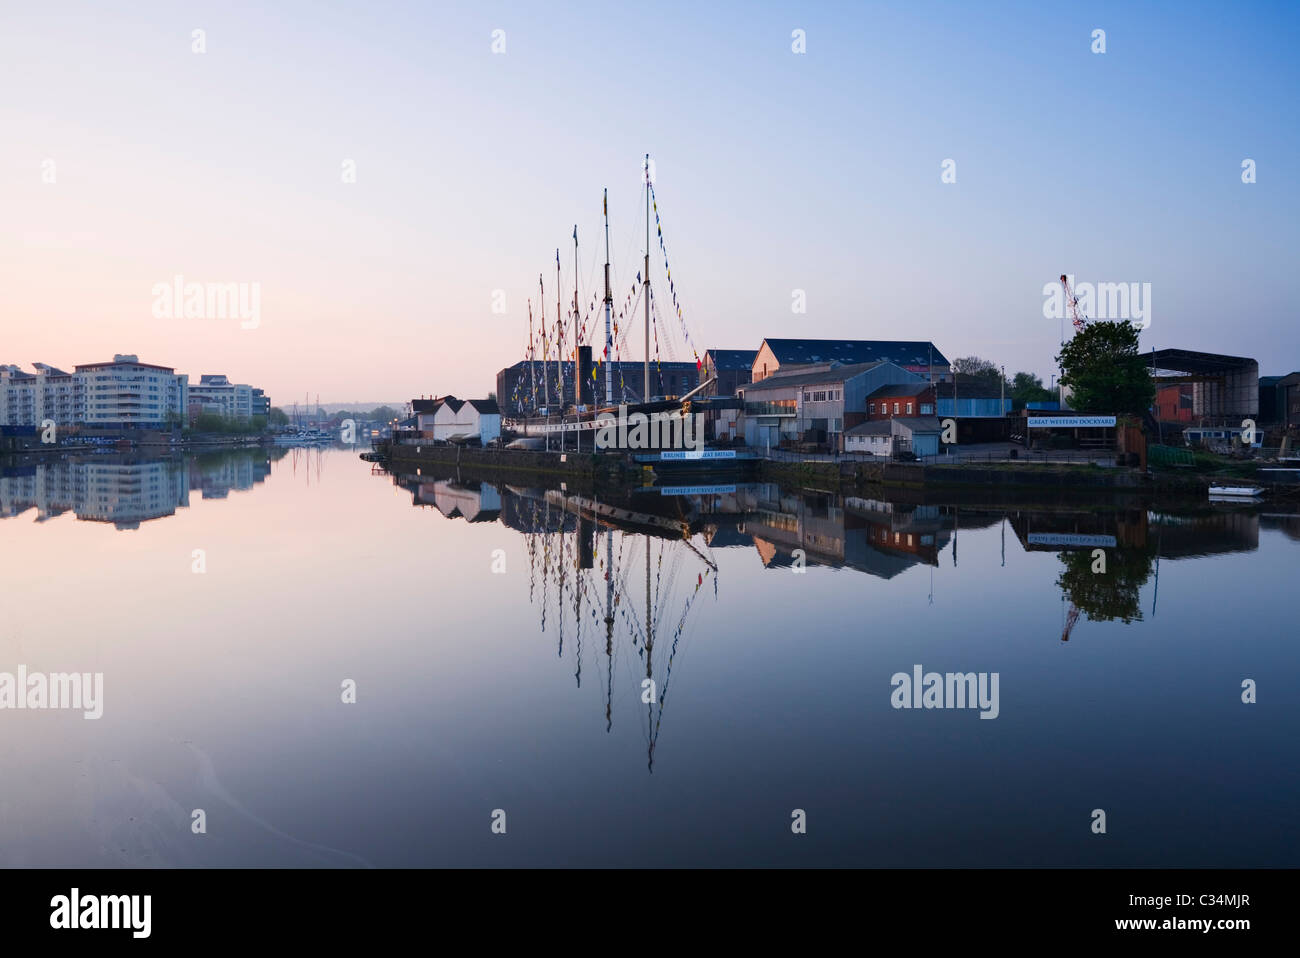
{"x": 492, "y": 672}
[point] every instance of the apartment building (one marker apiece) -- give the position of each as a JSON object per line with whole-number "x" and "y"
{"x": 127, "y": 393}
{"x": 29, "y": 399}
{"x": 124, "y": 393}
{"x": 217, "y": 394}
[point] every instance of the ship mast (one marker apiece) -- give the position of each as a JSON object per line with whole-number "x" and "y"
{"x": 645, "y": 394}
{"x": 645, "y": 397}
{"x": 609, "y": 623}
{"x": 559, "y": 343}
{"x": 609, "y": 305}
{"x": 546, "y": 355}
{"x": 577, "y": 376}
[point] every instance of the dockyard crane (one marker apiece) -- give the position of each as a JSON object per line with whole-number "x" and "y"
{"x": 1071, "y": 618}
{"x": 1072, "y": 303}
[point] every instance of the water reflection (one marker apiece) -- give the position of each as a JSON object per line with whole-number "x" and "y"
{"x": 580, "y": 579}
{"x": 654, "y": 679}
{"x": 629, "y": 569}
{"x": 126, "y": 490}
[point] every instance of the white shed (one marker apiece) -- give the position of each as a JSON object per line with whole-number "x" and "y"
{"x": 467, "y": 420}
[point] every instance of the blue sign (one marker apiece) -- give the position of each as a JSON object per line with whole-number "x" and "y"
{"x": 697, "y": 454}
{"x": 695, "y": 490}
{"x": 1071, "y": 422}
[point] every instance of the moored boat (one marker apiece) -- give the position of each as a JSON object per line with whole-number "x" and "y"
{"x": 1235, "y": 492}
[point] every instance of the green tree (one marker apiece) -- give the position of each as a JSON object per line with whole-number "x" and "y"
{"x": 209, "y": 422}
{"x": 1105, "y": 596}
{"x": 979, "y": 369}
{"x": 1027, "y": 388}
{"x": 383, "y": 413}
{"x": 1103, "y": 367}
{"x": 277, "y": 417}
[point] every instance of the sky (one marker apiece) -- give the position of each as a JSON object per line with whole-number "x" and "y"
{"x": 127, "y": 159}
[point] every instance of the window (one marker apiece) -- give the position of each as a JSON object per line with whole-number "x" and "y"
{"x": 895, "y": 409}
{"x": 807, "y": 396}
{"x": 909, "y": 409}
{"x": 871, "y": 408}
{"x": 927, "y": 409}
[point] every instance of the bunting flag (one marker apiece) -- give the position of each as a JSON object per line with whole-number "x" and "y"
{"x": 672, "y": 288}
{"x": 554, "y": 333}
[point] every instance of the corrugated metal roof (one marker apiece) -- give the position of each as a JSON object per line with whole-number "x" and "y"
{"x": 836, "y": 374}
{"x": 901, "y": 389}
{"x": 875, "y": 427}
{"x": 732, "y": 358}
{"x": 904, "y": 353}
{"x": 918, "y": 423}
{"x": 969, "y": 387}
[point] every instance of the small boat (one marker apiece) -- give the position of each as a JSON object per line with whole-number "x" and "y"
{"x": 1235, "y": 492}
{"x": 527, "y": 442}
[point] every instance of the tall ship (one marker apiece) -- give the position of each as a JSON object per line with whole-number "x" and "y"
{"x": 557, "y": 407}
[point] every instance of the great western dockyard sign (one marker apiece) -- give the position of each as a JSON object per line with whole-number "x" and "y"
{"x": 1070, "y": 539}
{"x": 1071, "y": 422}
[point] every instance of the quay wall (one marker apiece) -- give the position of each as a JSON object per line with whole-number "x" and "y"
{"x": 585, "y": 466}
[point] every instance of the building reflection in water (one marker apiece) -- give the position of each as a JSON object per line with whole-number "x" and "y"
{"x": 126, "y": 490}
{"x": 625, "y": 573}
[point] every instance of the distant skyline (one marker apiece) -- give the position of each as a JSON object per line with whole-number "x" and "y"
{"x": 130, "y": 159}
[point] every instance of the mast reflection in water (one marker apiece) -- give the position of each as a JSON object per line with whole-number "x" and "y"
{"x": 657, "y": 679}
{"x": 589, "y": 581}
